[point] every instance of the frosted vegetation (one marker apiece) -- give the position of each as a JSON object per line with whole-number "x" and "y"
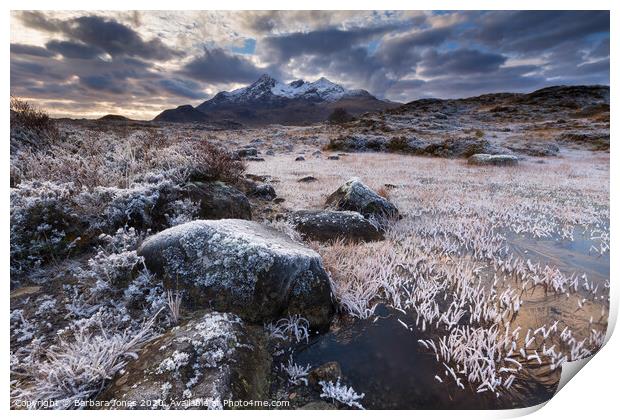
{"x": 450, "y": 260}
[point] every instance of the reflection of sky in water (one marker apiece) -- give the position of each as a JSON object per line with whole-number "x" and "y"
{"x": 385, "y": 361}
{"x": 568, "y": 256}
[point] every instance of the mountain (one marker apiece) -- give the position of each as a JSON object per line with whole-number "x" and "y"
{"x": 268, "y": 101}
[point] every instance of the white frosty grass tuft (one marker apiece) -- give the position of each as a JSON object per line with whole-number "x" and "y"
{"x": 341, "y": 393}
{"x": 296, "y": 374}
{"x": 293, "y": 327}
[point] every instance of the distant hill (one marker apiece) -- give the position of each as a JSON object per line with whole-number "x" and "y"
{"x": 268, "y": 101}
{"x": 113, "y": 117}
{"x": 182, "y": 114}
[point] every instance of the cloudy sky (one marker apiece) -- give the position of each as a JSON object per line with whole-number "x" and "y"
{"x": 86, "y": 64}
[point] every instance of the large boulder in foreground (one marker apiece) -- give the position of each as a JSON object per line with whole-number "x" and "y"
{"x": 496, "y": 160}
{"x": 212, "y": 358}
{"x": 328, "y": 225}
{"x": 354, "y": 195}
{"x": 219, "y": 201}
{"x": 241, "y": 267}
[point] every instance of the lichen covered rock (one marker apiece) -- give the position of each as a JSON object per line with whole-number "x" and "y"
{"x": 327, "y": 225}
{"x": 242, "y": 267}
{"x": 212, "y": 358}
{"x": 356, "y": 196}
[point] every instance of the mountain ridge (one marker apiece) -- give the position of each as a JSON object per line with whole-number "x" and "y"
{"x": 268, "y": 101}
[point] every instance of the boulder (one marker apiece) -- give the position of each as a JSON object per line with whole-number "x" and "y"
{"x": 497, "y": 160}
{"x": 327, "y": 225}
{"x": 241, "y": 267}
{"x": 219, "y": 201}
{"x": 356, "y": 196}
{"x": 210, "y": 359}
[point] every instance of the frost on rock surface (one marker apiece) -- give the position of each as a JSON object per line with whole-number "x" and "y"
{"x": 328, "y": 225}
{"x": 242, "y": 267}
{"x": 212, "y": 358}
{"x": 354, "y": 195}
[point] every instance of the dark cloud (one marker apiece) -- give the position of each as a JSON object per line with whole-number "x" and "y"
{"x": 463, "y": 61}
{"x": 185, "y": 88}
{"x": 73, "y": 49}
{"x": 601, "y": 50}
{"x": 106, "y": 34}
{"x": 528, "y": 31}
{"x": 328, "y": 41}
{"x": 218, "y": 66}
{"x": 23, "y": 49}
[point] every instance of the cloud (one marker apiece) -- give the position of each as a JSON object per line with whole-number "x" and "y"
{"x": 23, "y": 49}
{"x": 284, "y": 47}
{"x": 73, "y": 49}
{"x": 108, "y": 35}
{"x": 218, "y": 66}
{"x": 146, "y": 61}
{"x": 185, "y": 88}
{"x": 460, "y": 62}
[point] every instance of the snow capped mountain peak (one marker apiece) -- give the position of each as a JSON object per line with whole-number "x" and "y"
{"x": 268, "y": 89}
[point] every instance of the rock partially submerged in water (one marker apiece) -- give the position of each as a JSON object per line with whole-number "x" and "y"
{"x": 497, "y": 160}
{"x": 241, "y": 267}
{"x": 328, "y": 225}
{"x": 212, "y": 358}
{"x": 354, "y": 195}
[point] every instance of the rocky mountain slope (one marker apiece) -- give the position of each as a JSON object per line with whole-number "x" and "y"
{"x": 536, "y": 123}
{"x": 268, "y": 101}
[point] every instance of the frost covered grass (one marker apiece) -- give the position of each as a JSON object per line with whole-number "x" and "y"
{"x": 341, "y": 393}
{"x": 297, "y": 374}
{"x": 450, "y": 261}
{"x": 77, "y": 367}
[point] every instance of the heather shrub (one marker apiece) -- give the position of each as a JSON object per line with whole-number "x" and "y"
{"x": 30, "y": 126}
{"x": 340, "y": 116}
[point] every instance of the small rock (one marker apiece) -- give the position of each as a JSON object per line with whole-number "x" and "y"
{"x": 246, "y": 152}
{"x": 264, "y": 192}
{"x": 329, "y": 371}
{"x": 255, "y": 159}
{"x": 299, "y": 158}
{"x": 356, "y": 196}
{"x": 307, "y": 179}
{"x": 496, "y": 160}
{"x": 333, "y": 158}
{"x": 278, "y": 200}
